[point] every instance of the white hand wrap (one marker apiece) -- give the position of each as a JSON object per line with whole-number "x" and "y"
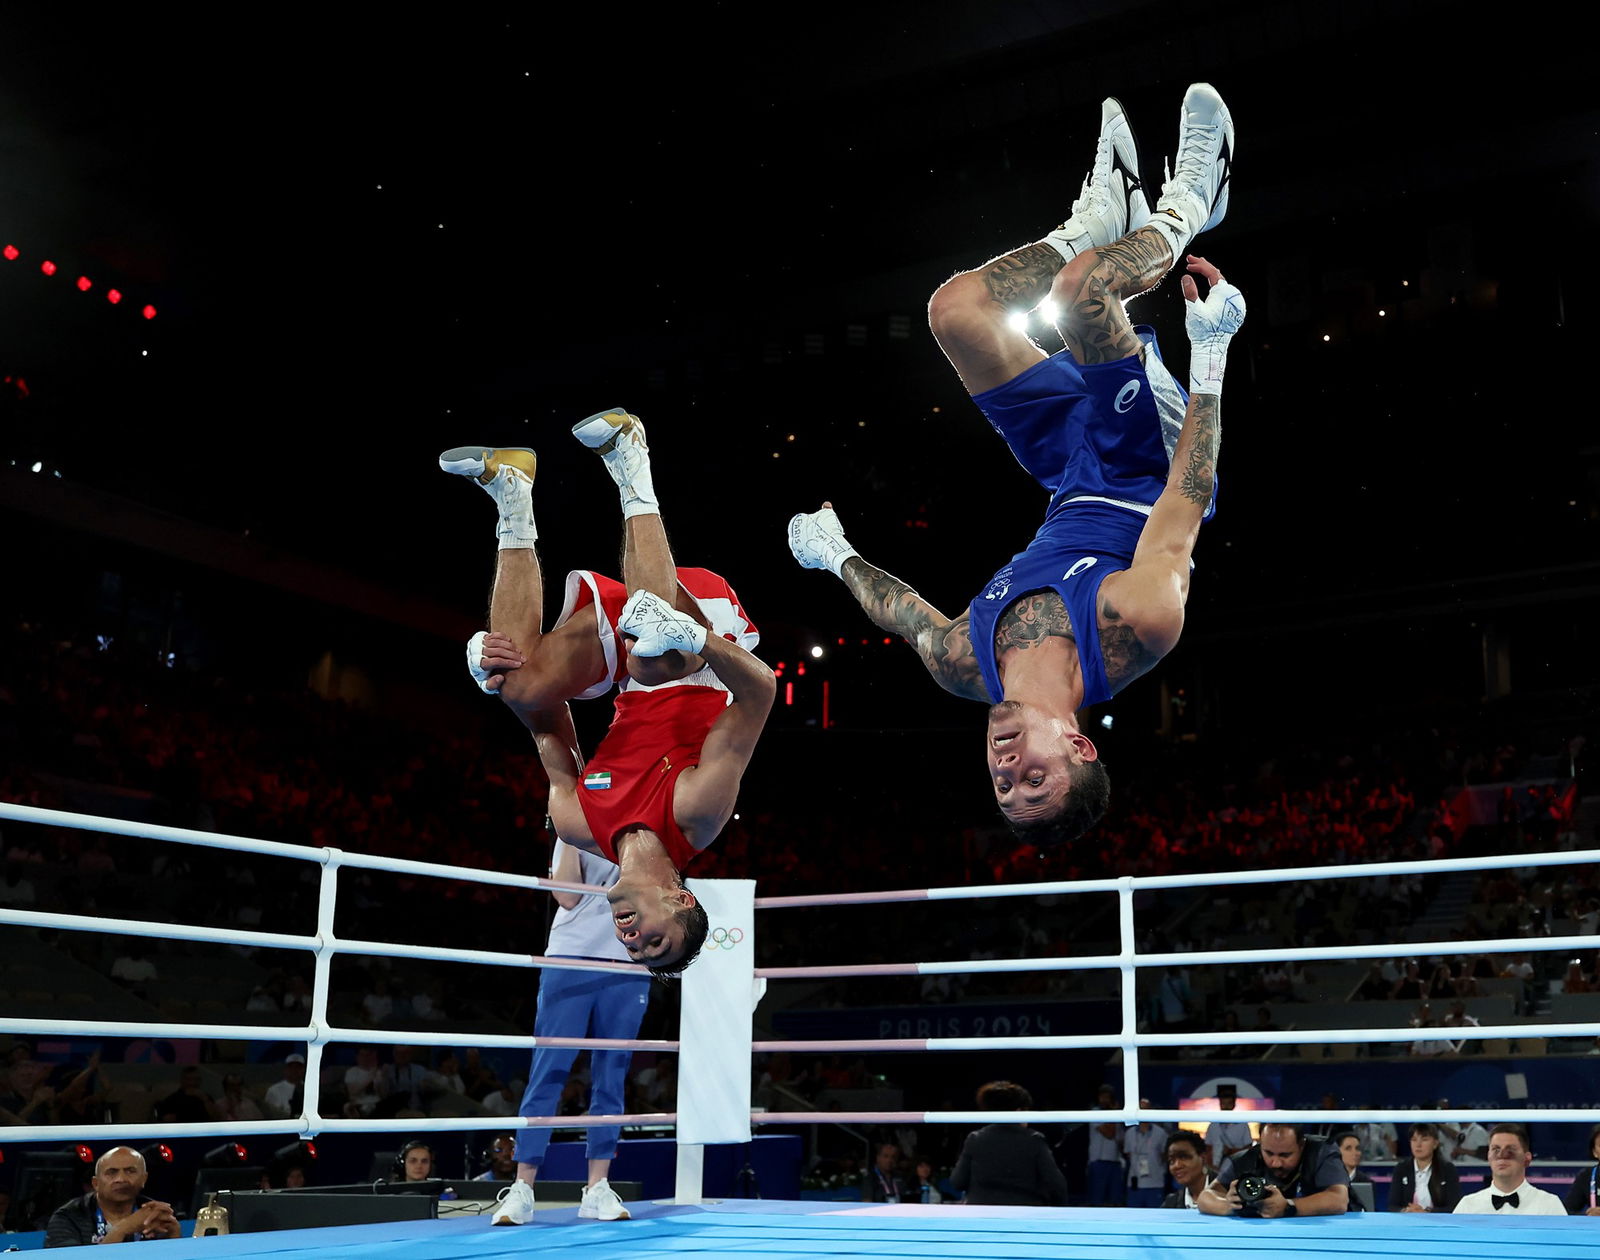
{"x": 1211, "y": 325}
{"x": 818, "y": 542}
{"x": 659, "y": 627}
{"x": 475, "y": 667}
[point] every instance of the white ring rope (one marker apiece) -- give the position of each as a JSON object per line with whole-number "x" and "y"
{"x": 319, "y": 1031}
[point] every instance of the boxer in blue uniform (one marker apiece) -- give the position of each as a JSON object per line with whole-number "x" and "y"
{"x": 1129, "y": 458}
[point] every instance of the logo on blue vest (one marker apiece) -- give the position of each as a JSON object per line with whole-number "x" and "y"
{"x": 1085, "y": 563}
{"x": 999, "y": 584}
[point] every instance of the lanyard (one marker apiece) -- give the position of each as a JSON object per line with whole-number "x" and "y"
{"x": 101, "y": 1228}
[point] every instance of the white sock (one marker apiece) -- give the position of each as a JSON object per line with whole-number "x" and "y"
{"x": 1175, "y": 230}
{"x": 638, "y": 491}
{"x": 1069, "y": 240}
{"x": 513, "y": 495}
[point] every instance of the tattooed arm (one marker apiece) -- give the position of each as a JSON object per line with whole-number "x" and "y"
{"x": 817, "y": 541}
{"x": 945, "y": 646}
{"x": 1142, "y": 607}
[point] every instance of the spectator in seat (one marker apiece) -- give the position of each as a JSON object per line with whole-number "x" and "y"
{"x": 1186, "y": 1164}
{"x": 1350, "y": 1155}
{"x": 882, "y": 1184}
{"x": 926, "y": 1188}
{"x": 502, "y": 1156}
{"x": 235, "y": 1104}
{"x": 1509, "y": 1191}
{"x": 1583, "y": 1198}
{"x": 286, "y": 1097}
{"x": 361, "y": 1084}
{"x": 115, "y": 1210}
{"x": 415, "y": 1161}
{"x": 189, "y": 1103}
{"x": 1424, "y": 1181}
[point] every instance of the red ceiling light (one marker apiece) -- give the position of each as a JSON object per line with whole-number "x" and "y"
{"x": 48, "y": 267}
{"x": 11, "y": 252}
{"x": 85, "y": 284}
{"x": 113, "y": 296}
{"x": 149, "y": 312}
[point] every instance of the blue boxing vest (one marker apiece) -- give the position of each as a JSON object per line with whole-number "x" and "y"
{"x": 1079, "y": 545}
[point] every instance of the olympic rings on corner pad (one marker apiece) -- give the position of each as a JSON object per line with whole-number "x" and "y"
{"x": 725, "y": 938}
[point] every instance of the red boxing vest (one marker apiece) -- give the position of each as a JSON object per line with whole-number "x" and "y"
{"x": 655, "y": 736}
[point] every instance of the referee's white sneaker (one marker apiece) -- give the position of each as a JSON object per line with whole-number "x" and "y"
{"x": 601, "y": 1203}
{"x": 1194, "y": 197}
{"x": 515, "y": 1204}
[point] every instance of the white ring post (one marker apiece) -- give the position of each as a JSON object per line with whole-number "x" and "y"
{"x": 327, "y": 944}
{"x": 1130, "y": 994}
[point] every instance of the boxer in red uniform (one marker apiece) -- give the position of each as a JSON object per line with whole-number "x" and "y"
{"x": 692, "y": 699}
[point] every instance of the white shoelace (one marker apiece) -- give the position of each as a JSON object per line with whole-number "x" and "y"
{"x": 1093, "y": 194}
{"x": 1193, "y": 149}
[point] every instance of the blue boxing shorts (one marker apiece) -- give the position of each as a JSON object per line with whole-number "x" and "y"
{"x": 1095, "y": 433}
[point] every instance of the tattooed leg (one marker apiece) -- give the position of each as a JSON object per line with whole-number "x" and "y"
{"x": 1093, "y": 286}
{"x": 968, "y": 314}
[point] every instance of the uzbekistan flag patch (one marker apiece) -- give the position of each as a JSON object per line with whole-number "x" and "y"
{"x": 597, "y": 780}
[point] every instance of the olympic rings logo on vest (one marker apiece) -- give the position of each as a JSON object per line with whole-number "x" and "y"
{"x": 724, "y": 938}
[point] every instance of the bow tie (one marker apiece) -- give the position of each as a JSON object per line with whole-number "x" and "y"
{"x": 1500, "y": 1200}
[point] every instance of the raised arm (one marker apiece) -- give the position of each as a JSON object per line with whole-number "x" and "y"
{"x": 945, "y": 646}
{"x": 1150, "y": 595}
{"x": 556, "y": 741}
{"x": 566, "y": 866}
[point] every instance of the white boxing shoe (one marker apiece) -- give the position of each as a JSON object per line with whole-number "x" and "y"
{"x": 601, "y": 1203}
{"x": 1112, "y": 202}
{"x": 515, "y": 1204}
{"x": 618, "y": 437}
{"x": 1196, "y": 189}
{"x": 484, "y": 462}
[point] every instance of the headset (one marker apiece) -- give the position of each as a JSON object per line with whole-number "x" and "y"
{"x": 487, "y": 1157}
{"x": 397, "y": 1170}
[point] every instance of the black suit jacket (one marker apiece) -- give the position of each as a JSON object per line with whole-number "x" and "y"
{"x": 1444, "y": 1185}
{"x": 1006, "y": 1163}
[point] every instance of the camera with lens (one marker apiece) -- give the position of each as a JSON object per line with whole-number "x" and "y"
{"x": 1253, "y": 1189}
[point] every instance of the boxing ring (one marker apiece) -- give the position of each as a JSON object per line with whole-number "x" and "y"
{"x": 718, "y": 1107}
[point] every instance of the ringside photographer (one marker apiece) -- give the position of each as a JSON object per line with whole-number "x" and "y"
{"x": 1284, "y": 1174}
